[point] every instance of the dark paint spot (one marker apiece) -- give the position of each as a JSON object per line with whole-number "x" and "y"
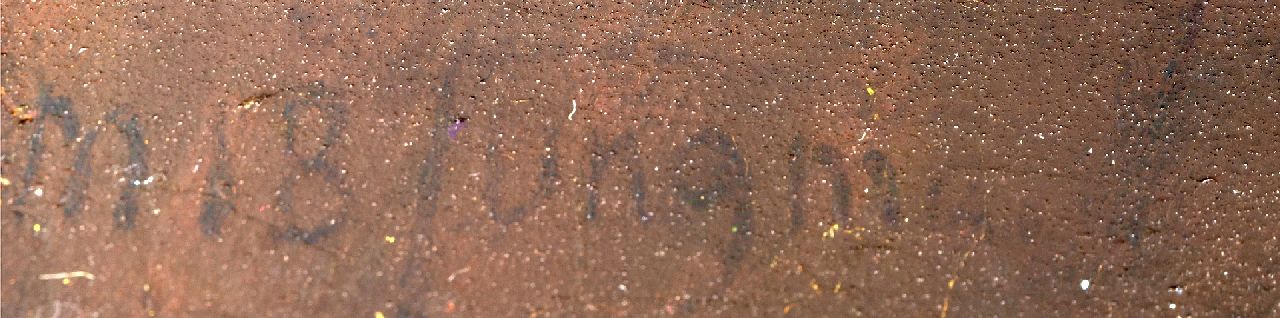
{"x": 403, "y": 311}
{"x": 1134, "y": 229}
{"x": 698, "y": 197}
{"x": 826, "y": 155}
{"x": 308, "y": 237}
{"x": 935, "y": 188}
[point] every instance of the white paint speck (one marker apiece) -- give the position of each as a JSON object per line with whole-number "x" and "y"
{"x": 575, "y": 109}
{"x": 1084, "y": 284}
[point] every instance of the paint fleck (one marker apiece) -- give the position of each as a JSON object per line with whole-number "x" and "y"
{"x": 456, "y": 127}
{"x": 831, "y": 231}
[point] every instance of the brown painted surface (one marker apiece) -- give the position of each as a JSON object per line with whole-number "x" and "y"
{"x": 961, "y": 158}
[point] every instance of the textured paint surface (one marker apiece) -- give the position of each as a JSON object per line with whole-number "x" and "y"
{"x": 661, "y": 158}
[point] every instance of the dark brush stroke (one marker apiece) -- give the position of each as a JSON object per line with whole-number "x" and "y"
{"x": 336, "y": 115}
{"x": 885, "y": 181}
{"x": 598, "y": 162}
{"x": 841, "y": 190}
{"x": 798, "y": 173}
{"x": 219, "y": 186}
{"x": 1144, "y": 170}
{"x": 628, "y": 145}
{"x": 735, "y": 193}
{"x": 403, "y": 311}
{"x": 311, "y": 236}
{"x": 546, "y": 183}
{"x": 429, "y": 183}
{"x": 126, "y": 213}
{"x": 639, "y": 192}
{"x": 430, "y": 176}
{"x": 81, "y": 171}
{"x": 284, "y": 199}
{"x": 50, "y": 105}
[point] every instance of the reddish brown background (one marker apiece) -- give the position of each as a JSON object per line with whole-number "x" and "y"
{"x": 1010, "y": 150}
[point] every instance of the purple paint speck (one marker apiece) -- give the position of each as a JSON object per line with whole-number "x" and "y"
{"x": 455, "y": 127}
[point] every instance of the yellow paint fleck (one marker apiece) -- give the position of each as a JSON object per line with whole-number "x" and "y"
{"x": 875, "y": 116}
{"x": 870, "y": 91}
{"x": 23, "y": 113}
{"x": 733, "y": 229}
{"x": 946, "y": 304}
{"x": 787, "y": 309}
{"x": 831, "y": 231}
{"x": 951, "y": 283}
{"x": 36, "y": 227}
{"x": 390, "y": 239}
{"x": 856, "y": 231}
{"x": 837, "y": 289}
{"x": 66, "y": 281}
{"x": 814, "y": 285}
{"x": 4, "y": 181}
{"x": 378, "y": 314}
